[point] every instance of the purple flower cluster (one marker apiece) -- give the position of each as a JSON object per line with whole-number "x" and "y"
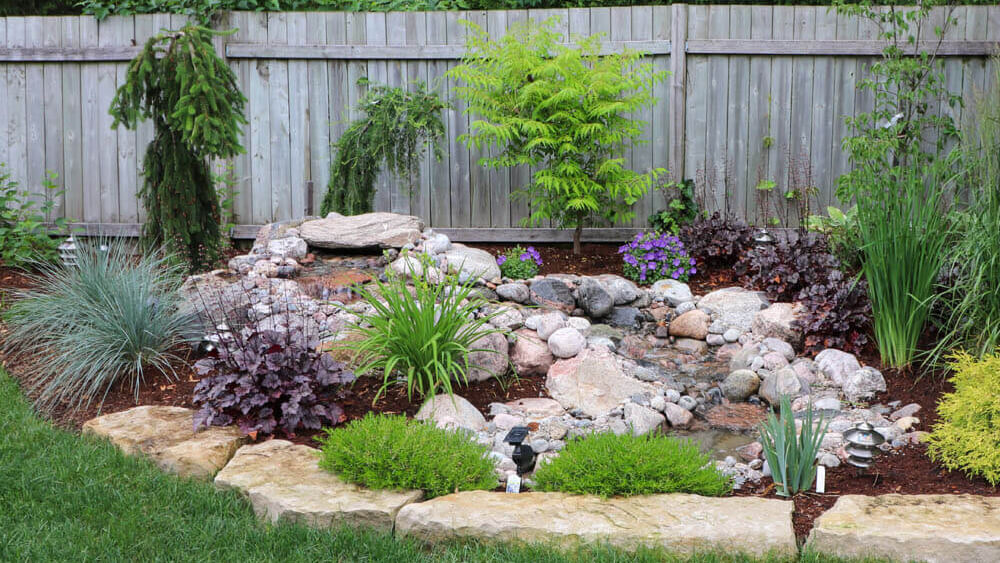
{"x": 654, "y": 256}
{"x": 519, "y": 263}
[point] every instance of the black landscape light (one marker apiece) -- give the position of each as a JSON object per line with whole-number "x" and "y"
{"x": 523, "y": 456}
{"x": 862, "y": 445}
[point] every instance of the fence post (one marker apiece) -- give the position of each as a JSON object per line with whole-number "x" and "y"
{"x": 678, "y": 89}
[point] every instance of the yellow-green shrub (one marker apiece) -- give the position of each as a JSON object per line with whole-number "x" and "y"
{"x": 967, "y": 435}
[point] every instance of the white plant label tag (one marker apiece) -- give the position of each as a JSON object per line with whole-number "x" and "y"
{"x": 820, "y": 479}
{"x": 513, "y": 484}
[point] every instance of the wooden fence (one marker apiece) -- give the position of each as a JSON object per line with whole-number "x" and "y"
{"x": 756, "y": 93}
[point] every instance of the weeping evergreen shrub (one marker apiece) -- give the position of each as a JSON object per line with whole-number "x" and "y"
{"x": 398, "y": 126}
{"x": 197, "y": 109}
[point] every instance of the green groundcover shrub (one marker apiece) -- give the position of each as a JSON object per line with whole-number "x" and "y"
{"x": 607, "y": 465}
{"x": 391, "y": 452}
{"x": 967, "y": 435}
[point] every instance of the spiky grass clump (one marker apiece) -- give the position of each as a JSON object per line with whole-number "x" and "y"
{"x": 423, "y": 334}
{"x": 609, "y": 465}
{"x": 81, "y": 330}
{"x": 392, "y": 452}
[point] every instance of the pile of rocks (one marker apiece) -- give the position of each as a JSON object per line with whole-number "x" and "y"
{"x": 616, "y": 357}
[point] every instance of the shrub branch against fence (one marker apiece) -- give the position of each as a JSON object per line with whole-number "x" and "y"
{"x": 756, "y": 93}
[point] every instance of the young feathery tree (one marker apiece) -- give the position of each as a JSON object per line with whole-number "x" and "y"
{"x": 192, "y": 97}
{"x": 563, "y": 109}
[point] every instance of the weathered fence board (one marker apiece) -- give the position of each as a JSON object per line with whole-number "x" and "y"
{"x": 757, "y": 93}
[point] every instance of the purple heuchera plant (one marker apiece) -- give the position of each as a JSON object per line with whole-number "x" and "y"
{"x": 264, "y": 380}
{"x": 654, "y": 256}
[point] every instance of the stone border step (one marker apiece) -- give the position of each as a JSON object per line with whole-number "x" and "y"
{"x": 167, "y": 436}
{"x": 284, "y": 482}
{"x": 679, "y": 522}
{"x": 934, "y": 528}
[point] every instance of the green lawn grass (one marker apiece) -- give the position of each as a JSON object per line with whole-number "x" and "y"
{"x": 67, "y": 498}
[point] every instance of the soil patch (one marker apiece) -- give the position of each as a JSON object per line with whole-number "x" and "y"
{"x": 603, "y": 258}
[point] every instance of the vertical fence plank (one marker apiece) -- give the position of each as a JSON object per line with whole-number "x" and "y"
{"x": 278, "y": 104}
{"x": 34, "y": 86}
{"x": 417, "y": 72}
{"x": 378, "y": 73}
{"x": 339, "y": 92}
{"x": 678, "y": 92}
{"x": 845, "y": 73}
{"x": 398, "y": 189}
{"x": 53, "y": 117}
{"x": 660, "y": 124}
{"x": 440, "y": 171}
{"x": 17, "y": 111}
{"x": 260, "y": 123}
{"x": 758, "y": 109}
{"x": 799, "y": 159}
{"x": 90, "y": 113}
{"x": 498, "y": 178}
{"x": 718, "y": 162}
{"x": 242, "y": 194}
{"x": 4, "y": 115}
{"x": 737, "y": 124}
{"x": 318, "y": 111}
{"x": 128, "y": 201}
{"x": 782, "y": 24}
{"x": 520, "y": 176}
{"x": 823, "y": 119}
{"x": 479, "y": 175}
{"x": 300, "y": 158}
{"x": 107, "y": 150}
{"x": 458, "y": 124}
{"x": 642, "y": 156}
{"x": 71, "y": 131}
{"x": 696, "y": 111}
{"x": 954, "y": 68}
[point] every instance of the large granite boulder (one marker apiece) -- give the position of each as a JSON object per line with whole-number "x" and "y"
{"x": 380, "y": 229}
{"x": 733, "y": 307}
{"x": 671, "y": 291}
{"x": 285, "y": 483}
{"x": 553, "y": 294}
{"x": 530, "y": 354}
{"x": 692, "y": 324}
{"x": 679, "y": 523}
{"x": 594, "y": 298}
{"x": 491, "y": 359}
{"x": 934, "y": 528}
{"x": 837, "y": 364}
{"x": 592, "y": 382}
{"x": 471, "y": 263}
{"x": 451, "y": 412}
{"x": 167, "y": 436}
{"x": 780, "y": 321}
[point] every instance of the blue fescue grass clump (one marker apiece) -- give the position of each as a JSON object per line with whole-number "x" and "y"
{"x": 111, "y": 319}
{"x": 391, "y": 452}
{"x": 608, "y": 465}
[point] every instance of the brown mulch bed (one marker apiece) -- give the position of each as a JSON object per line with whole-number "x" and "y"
{"x": 904, "y": 471}
{"x": 602, "y": 258}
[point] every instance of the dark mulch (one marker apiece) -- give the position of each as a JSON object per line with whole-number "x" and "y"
{"x": 603, "y": 258}
{"x": 357, "y": 400}
{"x": 904, "y": 471}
